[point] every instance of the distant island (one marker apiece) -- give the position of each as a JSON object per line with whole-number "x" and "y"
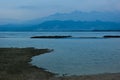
{"x": 71, "y": 37}
{"x": 111, "y": 36}
{"x": 52, "y": 37}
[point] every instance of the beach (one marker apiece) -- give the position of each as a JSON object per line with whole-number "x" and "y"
{"x": 14, "y": 65}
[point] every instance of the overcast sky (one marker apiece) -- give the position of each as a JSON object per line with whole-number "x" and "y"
{"x": 31, "y": 9}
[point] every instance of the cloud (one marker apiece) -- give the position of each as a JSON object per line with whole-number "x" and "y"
{"x": 29, "y": 9}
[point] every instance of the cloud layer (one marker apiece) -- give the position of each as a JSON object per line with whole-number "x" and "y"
{"x": 30, "y": 9}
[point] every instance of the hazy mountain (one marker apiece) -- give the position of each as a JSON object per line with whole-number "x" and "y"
{"x": 17, "y": 27}
{"x": 78, "y": 25}
{"x": 57, "y": 25}
{"x": 82, "y": 16}
{"x": 4, "y": 21}
{"x": 70, "y": 21}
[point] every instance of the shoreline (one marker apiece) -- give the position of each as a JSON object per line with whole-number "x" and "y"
{"x": 14, "y": 65}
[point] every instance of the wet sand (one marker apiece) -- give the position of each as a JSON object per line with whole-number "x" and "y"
{"x": 14, "y": 65}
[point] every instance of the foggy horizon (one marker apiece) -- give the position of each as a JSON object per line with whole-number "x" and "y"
{"x": 28, "y": 10}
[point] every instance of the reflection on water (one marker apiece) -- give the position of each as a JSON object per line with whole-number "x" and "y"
{"x": 71, "y": 56}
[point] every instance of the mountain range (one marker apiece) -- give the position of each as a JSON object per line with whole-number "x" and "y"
{"x": 81, "y": 16}
{"x": 78, "y": 21}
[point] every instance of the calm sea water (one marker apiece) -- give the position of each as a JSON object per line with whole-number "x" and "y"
{"x": 70, "y": 56}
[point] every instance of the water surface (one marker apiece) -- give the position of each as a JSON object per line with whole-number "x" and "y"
{"x": 70, "y": 56}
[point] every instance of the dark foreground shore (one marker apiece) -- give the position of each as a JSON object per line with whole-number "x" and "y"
{"x": 14, "y": 65}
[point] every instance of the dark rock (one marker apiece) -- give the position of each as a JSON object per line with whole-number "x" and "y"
{"x": 111, "y": 36}
{"x": 51, "y": 36}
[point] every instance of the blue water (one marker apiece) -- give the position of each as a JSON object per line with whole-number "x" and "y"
{"x": 70, "y": 56}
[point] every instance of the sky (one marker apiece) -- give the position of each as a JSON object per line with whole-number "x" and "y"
{"x": 31, "y": 9}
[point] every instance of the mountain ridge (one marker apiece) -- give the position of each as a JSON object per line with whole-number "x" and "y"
{"x": 67, "y": 25}
{"x": 81, "y": 16}
{"x": 77, "y": 20}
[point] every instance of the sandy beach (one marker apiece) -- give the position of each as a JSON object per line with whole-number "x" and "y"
{"x": 14, "y": 65}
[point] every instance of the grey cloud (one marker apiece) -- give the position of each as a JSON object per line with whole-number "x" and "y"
{"x": 26, "y": 9}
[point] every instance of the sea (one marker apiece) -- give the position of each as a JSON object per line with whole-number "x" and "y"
{"x": 70, "y": 56}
